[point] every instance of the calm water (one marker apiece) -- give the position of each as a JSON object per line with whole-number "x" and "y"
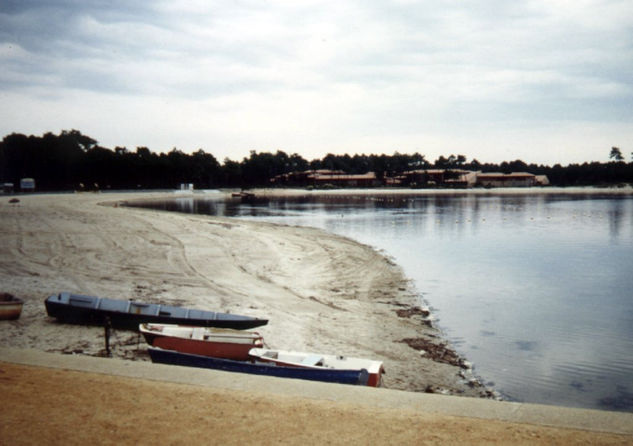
{"x": 534, "y": 290}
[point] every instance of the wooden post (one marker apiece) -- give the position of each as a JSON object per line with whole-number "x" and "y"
{"x": 107, "y": 327}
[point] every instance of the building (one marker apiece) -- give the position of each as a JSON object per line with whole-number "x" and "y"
{"x": 515, "y": 179}
{"x": 327, "y": 178}
{"x": 421, "y": 178}
{"x": 346, "y": 180}
{"x": 27, "y": 184}
{"x": 542, "y": 180}
{"x": 453, "y": 178}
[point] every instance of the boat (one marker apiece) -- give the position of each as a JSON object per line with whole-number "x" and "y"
{"x": 206, "y": 341}
{"x": 319, "y": 361}
{"x": 342, "y": 376}
{"x": 10, "y": 306}
{"x": 243, "y": 195}
{"x": 127, "y": 314}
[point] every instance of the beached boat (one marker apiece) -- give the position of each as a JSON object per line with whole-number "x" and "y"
{"x": 243, "y": 195}
{"x": 81, "y": 309}
{"x": 10, "y": 307}
{"x": 320, "y": 361}
{"x": 206, "y": 341}
{"x": 358, "y": 377}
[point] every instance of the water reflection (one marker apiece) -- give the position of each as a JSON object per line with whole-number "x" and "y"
{"x": 533, "y": 289}
{"x": 616, "y": 216}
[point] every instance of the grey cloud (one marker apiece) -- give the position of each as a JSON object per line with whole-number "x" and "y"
{"x": 484, "y": 59}
{"x": 103, "y": 45}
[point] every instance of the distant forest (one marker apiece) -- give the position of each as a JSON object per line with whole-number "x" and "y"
{"x": 71, "y": 161}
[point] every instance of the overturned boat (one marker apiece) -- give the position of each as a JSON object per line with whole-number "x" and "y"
{"x": 127, "y": 314}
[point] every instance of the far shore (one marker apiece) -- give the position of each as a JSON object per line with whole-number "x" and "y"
{"x": 585, "y": 190}
{"x": 294, "y": 191}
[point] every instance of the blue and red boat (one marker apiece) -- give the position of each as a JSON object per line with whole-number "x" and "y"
{"x": 342, "y": 376}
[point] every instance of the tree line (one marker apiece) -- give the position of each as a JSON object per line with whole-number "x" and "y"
{"x": 72, "y": 161}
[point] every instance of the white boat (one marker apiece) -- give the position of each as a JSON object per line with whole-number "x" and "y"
{"x": 320, "y": 361}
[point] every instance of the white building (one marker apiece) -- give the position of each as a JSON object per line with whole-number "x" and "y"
{"x": 27, "y": 184}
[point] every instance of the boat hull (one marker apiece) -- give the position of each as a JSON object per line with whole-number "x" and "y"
{"x": 320, "y": 361}
{"x": 357, "y": 377}
{"x": 219, "y": 343}
{"x": 10, "y": 307}
{"x": 81, "y": 309}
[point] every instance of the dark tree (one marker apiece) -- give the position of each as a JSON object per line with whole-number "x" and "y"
{"x": 69, "y": 160}
{"x": 616, "y": 154}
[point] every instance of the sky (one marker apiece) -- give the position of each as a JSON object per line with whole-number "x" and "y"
{"x": 545, "y": 82}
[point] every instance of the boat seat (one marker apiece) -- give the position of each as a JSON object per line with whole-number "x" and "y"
{"x": 198, "y": 333}
{"x": 311, "y": 360}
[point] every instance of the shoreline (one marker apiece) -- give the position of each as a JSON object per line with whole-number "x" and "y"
{"x": 580, "y": 190}
{"x": 321, "y": 292}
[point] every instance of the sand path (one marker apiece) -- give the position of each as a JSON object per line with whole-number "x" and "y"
{"x": 55, "y": 406}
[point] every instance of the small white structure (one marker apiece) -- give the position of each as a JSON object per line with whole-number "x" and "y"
{"x": 27, "y": 184}
{"x": 542, "y": 180}
{"x": 186, "y": 187}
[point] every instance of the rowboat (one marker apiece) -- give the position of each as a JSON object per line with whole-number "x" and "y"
{"x": 317, "y": 361}
{"x": 358, "y": 377}
{"x": 81, "y": 309}
{"x": 10, "y": 307}
{"x": 205, "y": 341}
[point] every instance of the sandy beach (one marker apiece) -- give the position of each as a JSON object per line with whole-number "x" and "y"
{"x": 319, "y": 291}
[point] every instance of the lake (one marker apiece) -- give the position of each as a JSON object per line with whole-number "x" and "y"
{"x": 534, "y": 289}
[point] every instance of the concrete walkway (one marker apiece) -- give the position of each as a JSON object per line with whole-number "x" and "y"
{"x": 553, "y": 416}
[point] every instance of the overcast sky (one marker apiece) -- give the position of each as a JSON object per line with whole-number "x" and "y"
{"x": 541, "y": 81}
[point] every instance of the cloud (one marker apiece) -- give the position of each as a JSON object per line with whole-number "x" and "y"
{"x": 322, "y": 75}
